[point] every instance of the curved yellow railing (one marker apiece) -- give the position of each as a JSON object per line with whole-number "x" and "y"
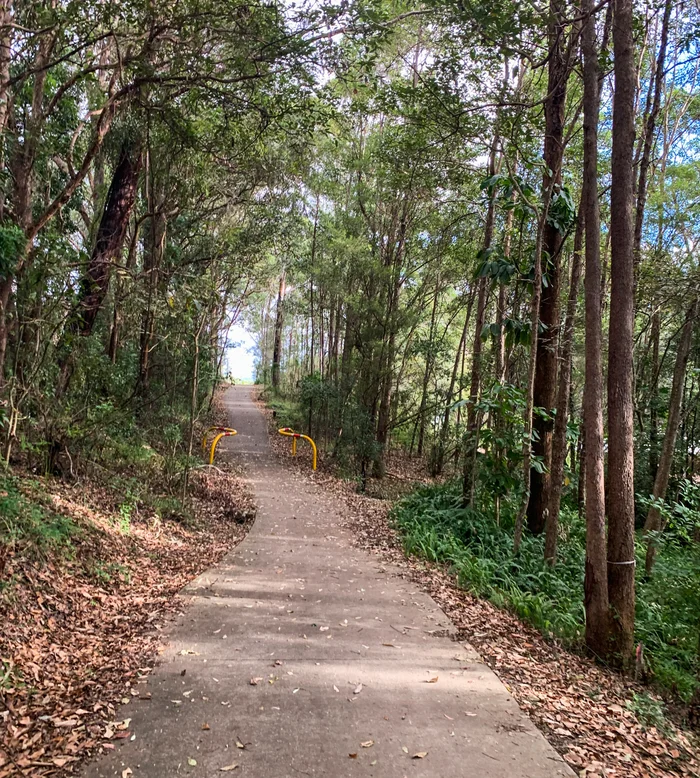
{"x": 289, "y": 432}
{"x": 211, "y": 429}
{"x": 228, "y": 434}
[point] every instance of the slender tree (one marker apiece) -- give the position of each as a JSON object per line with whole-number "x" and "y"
{"x": 621, "y": 560}
{"x": 653, "y": 521}
{"x": 279, "y": 323}
{"x": 596, "y": 580}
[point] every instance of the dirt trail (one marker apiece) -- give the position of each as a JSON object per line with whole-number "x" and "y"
{"x": 317, "y": 659}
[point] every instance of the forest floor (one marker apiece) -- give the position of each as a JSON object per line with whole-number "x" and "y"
{"x": 83, "y": 625}
{"x": 598, "y": 721}
{"x": 81, "y": 618}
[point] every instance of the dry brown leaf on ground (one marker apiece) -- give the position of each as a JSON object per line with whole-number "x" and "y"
{"x": 580, "y": 707}
{"x": 79, "y": 632}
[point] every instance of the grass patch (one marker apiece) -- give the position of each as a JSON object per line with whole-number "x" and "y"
{"x": 24, "y": 521}
{"x": 287, "y": 412}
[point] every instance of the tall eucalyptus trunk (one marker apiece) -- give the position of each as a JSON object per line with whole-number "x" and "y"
{"x": 559, "y": 442}
{"x": 593, "y": 454}
{"x": 621, "y": 559}
{"x": 559, "y": 68}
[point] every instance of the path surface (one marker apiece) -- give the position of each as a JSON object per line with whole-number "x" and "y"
{"x": 357, "y": 671}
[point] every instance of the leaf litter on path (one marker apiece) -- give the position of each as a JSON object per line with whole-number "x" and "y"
{"x": 581, "y": 708}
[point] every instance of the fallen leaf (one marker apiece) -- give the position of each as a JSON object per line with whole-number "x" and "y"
{"x": 367, "y": 744}
{"x": 191, "y": 762}
{"x": 358, "y": 688}
{"x": 420, "y": 755}
{"x": 80, "y": 645}
{"x": 352, "y": 756}
{"x": 239, "y": 744}
{"x": 433, "y": 680}
{"x": 229, "y": 767}
{"x": 205, "y": 726}
{"x": 255, "y": 681}
{"x": 404, "y": 749}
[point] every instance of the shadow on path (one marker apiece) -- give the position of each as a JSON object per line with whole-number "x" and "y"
{"x": 317, "y": 659}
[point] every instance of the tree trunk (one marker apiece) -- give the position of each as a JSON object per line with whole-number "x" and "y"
{"x": 346, "y": 356}
{"x": 649, "y": 130}
{"x": 470, "y": 435}
{"x": 560, "y": 63}
{"x": 559, "y": 443}
{"x": 427, "y": 372}
{"x": 321, "y": 335}
{"x": 383, "y": 415}
{"x": 6, "y": 31}
{"x": 593, "y": 458}
{"x": 108, "y": 244}
{"x": 311, "y": 285}
{"x": 194, "y": 403}
{"x": 459, "y": 356}
{"x": 331, "y": 339}
{"x": 654, "y": 522}
{"x": 5, "y": 294}
{"x": 336, "y": 340}
{"x": 581, "y": 487}
{"x": 279, "y": 324}
{"x": 527, "y": 449}
{"x": 153, "y": 252}
{"x": 621, "y": 342}
{"x": 654, "y": 394}
{"x": 501, "y": 306}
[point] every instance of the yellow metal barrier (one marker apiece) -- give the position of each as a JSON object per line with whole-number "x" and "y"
{"x": 211, "y": 429}
{"x": 295, "y": 436}
{"x": 228, "y": 434}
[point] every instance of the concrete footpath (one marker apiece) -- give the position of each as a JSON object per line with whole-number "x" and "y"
{"x": 299, "y": 655}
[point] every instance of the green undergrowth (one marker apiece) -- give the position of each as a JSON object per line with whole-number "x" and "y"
{"x": 30, "y": 528}
{"x": 479, "y": 551}
{"x": 127, "y": 470}
{"x": 287, "y": 411}
{"x": 26, "y": 522}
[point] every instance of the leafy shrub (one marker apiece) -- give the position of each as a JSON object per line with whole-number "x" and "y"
{"x": 435, "y": 525}
{"x": 480, "y": 551}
